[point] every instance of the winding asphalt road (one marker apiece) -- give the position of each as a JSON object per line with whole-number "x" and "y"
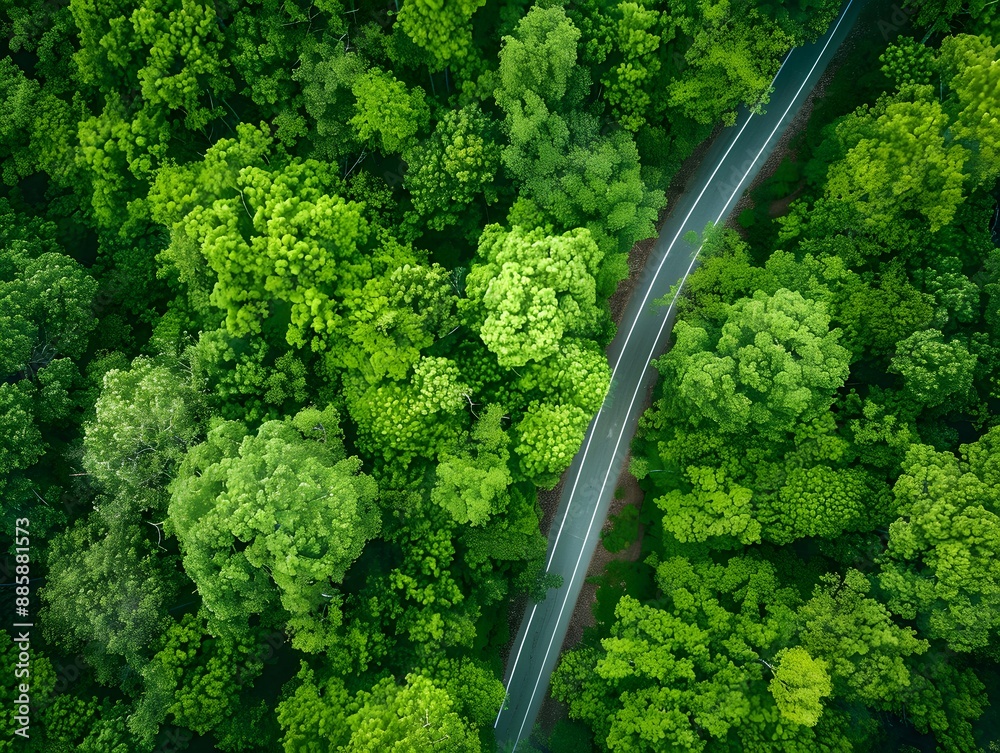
{"x": 729, "y": 167}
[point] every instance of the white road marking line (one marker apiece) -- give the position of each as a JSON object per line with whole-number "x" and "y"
{"x": 666, "y": 318}
{"x": 514, "y": 669}
{"x": 642, "y": 308}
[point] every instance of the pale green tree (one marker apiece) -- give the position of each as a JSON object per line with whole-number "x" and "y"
{"x": 529, "y": 290}
{"x": 146, "y": 419}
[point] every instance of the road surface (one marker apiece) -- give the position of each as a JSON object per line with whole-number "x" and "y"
{"x": 726, "y": 171}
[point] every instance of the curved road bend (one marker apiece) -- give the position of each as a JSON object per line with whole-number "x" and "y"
{"x": 728, "y": 168}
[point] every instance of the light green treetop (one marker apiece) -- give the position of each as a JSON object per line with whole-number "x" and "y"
{"x": 530, "y": 290}
{"x": 274, "y": 518}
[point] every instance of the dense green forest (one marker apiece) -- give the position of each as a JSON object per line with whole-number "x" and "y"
{"x": 820, "y": 565}
{"x": 302, "y": 303}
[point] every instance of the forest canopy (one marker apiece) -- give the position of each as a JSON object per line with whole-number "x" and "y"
{"x": 303, "y": 304}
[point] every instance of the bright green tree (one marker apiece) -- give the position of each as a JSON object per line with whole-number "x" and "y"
{"x": 530, "y": 290}
{"x": 441, "y": 27}
{"x": 278, "y": 242}
{"x": 416, "y": 418}
{"x": 715, "y": 509}
{"x": 692, "y": 674}
{"x": 571, "y": 176}
{"x": 472, "y": 485}
{"x": 395, "y": 317}
{"x": 312, "y": 716}
{"x": 774, "y": 362}
{"x": 548, "y": 436}
{"x": 941, "y": 565}
{"x": 933, "y": 370}
{"x": 386, "y": 108}
{"x": 296, "y": 508}
{"x": 416, "y": 716}
{"x": 904, "y": 162}
{"x": 799, "y": 684}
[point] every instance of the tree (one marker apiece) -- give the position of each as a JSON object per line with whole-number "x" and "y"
{"x": 799, "y": 684}
{"x": 877, "y": 317}
{"x": 394, "y": 317}
{"x": 108, "y": 592}
{"x": 16, "y": 92}
{"x": 170, "y": 50}
{"x": 903, "y": 162}
{"x": 254, "y": 515}
{"x": 549, "y": 435}
{"x": 300, "y": 242}
{"x": 265, "y": 39}
{"x": 447, "y": 172}
{"x": 578, "y": 374}
{"x": 472, "y": 686}
{"x": 247, "y": 378}
{"x": 971, "y": 61}
{"x": 689, "y": 675}
{"x": 161, "y": 71}
{"x": 313, "y": 715}
{"x": 196, "y": 679}
{"x": 441, "y": 28}
{"x": 415, "y": 716}
{"x": 321, "y": 716}
{"x": 146, "y": 419}
{"x": 530, "y": 290}
{"x": 866, "y": 652}
{"x": 537, "y": 68}
{"x": 20, "y": 439}
{"x": 571, "y": 176}
{"x": 473, "y": 486}
{"x": 281, "y": 245}
{"x": 715, "y": 509}
{"x": 637, "y": 33}
{"x": 938, "y": 14}
{"x": 933, "y": 370}
{"x": 327, "y": 74}
{"x": 386, "y": 108}
{"x": 597, "y": 186}
{"x": 46, "y": 299}
{"x": 775, "y": 362}
{"x": 418, "y": 418}
{"x": 941, "y": 565}
{"x": 729, "y": 57}
{"x": 183, "y": 58}
{"x": 820, "y": 501}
